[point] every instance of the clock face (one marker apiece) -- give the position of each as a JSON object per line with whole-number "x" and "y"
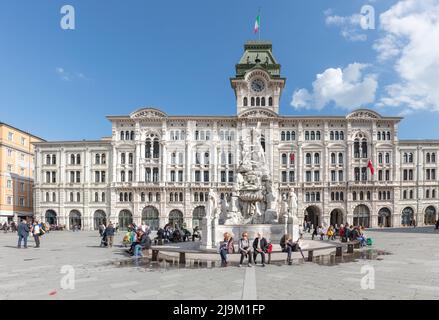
{"x": 258, "y": 85}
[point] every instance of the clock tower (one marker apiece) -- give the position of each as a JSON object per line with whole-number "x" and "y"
{"x": 257, "y": 83}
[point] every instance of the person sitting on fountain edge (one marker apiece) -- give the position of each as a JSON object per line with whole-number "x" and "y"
{"x": 260, "y": 246}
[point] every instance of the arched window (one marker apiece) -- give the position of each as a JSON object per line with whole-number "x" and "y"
{"x": 48, "y": 159}
{"x": 258, "y": 102}
{"x": 293, "y": 135}
{"x": 308, "y": 158}
{"x": 156, "y": 149}
{"x": 122, "y": 176}
{"x": 230, "y": 158}
{"x": 96, "y": 197}
{"x": 354, "y": 196}
{"x": 380, "y": 157}
{"x": 388, "y": 135}
{"x": 157, "y": 197}
{"x": 130, "y": 197}
{"x": 122, "y": 158}
{"x": 364, "y": 148}
{"x": 340, "y": 158}
{"x": 263, "y": 101}
{"x": 47, "y": 197}
{"x": 78, "y": 197}
{"x": 337, "y": 135}
{"x": 245, "y": 102}
{"x": 132, "y": 135}
{"x": 288, "y": 136}
{"x": 103, "y": 197}
{"x": 387, "y": 158}
{"x": 181, "y": 196}
{"x": 316, "y": 158}
{"x": 318, "y": 135}
{"x": 72, "y": 159}
{"x": 270, "y": 102}
{"x": 356, "y": 148}
{"x": 331, "y": 135}
{"x": 122, "y": 135}
{"x": 98, "y": 158}
{"x": 433, "y": 157}
{"x": 150, "y": 196}
{"x": 78, "y": 159}
{"x": 282, "y": 136}
{"x": 130, "y": 158}
{"x": 332, "y": 158}
{"x": 379, "y": 135}
{"x": 252, "y": 101}
{"x": 142, "y": 197}
{"x": 121, "y": 197}
{"x": 306, "y": 135}
{"x": 313, "y": 135}
{"x": 428, "y": 158}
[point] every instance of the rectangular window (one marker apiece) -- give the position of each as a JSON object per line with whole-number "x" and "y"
{"x": 9, "y": 153}
{"x": 23, "y": 141}
{"x": 21, "y": 186}
{"x": 172, "y": 176}
{"x": 284, "y": 176}
{"x": 316, "y": 176}
{"x": 10, "y": 168}
{"x": 206, "y": 176}
{"x": 180, "y": 176}
{"x": 292, "y": 176}
{"x": 231, "y": 176}
{"x": 9, "y": 200}
{"x": 10, "y": 136}
{"x": 340, "y": 175}
{"x": 197, "y": 176}
{"x": 78, "y": 177}
{"x": 333, "y": 176}
{"x": 21, "y": 202}
{"x": 308, "y": 176}
{"x": 103, "y": 176}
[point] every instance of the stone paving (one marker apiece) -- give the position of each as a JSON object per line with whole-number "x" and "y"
{"x": 411, "y": 271}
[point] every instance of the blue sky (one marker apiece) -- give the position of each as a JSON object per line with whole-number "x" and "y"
{"x": 179, "y": 56}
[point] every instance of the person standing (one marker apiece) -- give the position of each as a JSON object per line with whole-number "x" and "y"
{"x": 260, "y": 246}
{"x": 437, "y": 225}
{"x": 23, "y": 233}
{"x": 110, "y": 234}
{"x": 245, "y": 249}
{"x": 36, "y": 232}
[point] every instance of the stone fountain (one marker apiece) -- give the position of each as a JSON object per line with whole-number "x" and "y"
{"x": 254, "y": 205}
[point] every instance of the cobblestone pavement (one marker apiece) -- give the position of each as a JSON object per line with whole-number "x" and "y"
{"x": 411, "y": 271}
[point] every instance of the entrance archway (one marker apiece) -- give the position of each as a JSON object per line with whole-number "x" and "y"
{"x": 198, "y": 215}
{"x": 150, "y": 215}
{"x": 430, "y": 215}
{"x": 75, "y": 220}
{"x": 125, "y": 219}
{"x": 176, "y": 218}
{"x": 407, "y": 216}
{"x": 384, "y": 218}
{"x": 336, "y": 217}
{"x": 99, "y": 218}
{"x": 51, "y": 217}
{"x": 312, "y": 214}
{"x": 362, "y": 216}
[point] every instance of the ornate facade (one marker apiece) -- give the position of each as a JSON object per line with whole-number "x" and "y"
{"x": 160, "y": 168}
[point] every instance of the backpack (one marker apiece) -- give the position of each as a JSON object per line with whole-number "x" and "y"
{"x": 269, "y": 248}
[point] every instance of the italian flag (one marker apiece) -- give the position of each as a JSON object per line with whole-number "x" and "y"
{"x": 257, "y": 24}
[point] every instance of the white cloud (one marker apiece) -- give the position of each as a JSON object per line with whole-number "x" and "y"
{"x": 350, "y": 25}
{"x": 69, "y": 76}
{"x": 348, "y": 88}
{"x": 410, "y": 44}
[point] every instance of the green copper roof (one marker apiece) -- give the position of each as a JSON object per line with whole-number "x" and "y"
{"x": 258, "y": 54}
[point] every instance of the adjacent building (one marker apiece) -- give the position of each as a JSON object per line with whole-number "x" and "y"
{"x": 159, "y": 168}
{"x": 16, "y": 172}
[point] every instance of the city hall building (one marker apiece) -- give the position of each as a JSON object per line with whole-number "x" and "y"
{"x": 159, "y": 168}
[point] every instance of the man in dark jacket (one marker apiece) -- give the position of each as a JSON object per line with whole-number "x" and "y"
{"x": 109, "y": 231}
{"x": 260, "y": 246}
{"x": 23, "y": 233}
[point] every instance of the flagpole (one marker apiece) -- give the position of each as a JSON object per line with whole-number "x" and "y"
{"x": 259, "y": 33}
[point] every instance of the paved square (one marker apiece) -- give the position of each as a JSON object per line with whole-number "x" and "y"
{"x": 411, "y": 271}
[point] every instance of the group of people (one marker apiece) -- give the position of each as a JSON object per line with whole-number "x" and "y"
{"x": 107, "y": 234}
{"x": 250, "y": 250}
{"x": 137, "y": 238}
{"x": 9, "y": 227}
{"x": 177, "y": 234}
{"x": 344, "y": 232}
{"x": 34, "y": 228}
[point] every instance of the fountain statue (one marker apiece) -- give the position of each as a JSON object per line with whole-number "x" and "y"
{"x": 254, "y": 203}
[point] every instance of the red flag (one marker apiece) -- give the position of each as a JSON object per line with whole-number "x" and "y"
{"x": 291, "y": 157}
{"x": 370, "y": 166}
